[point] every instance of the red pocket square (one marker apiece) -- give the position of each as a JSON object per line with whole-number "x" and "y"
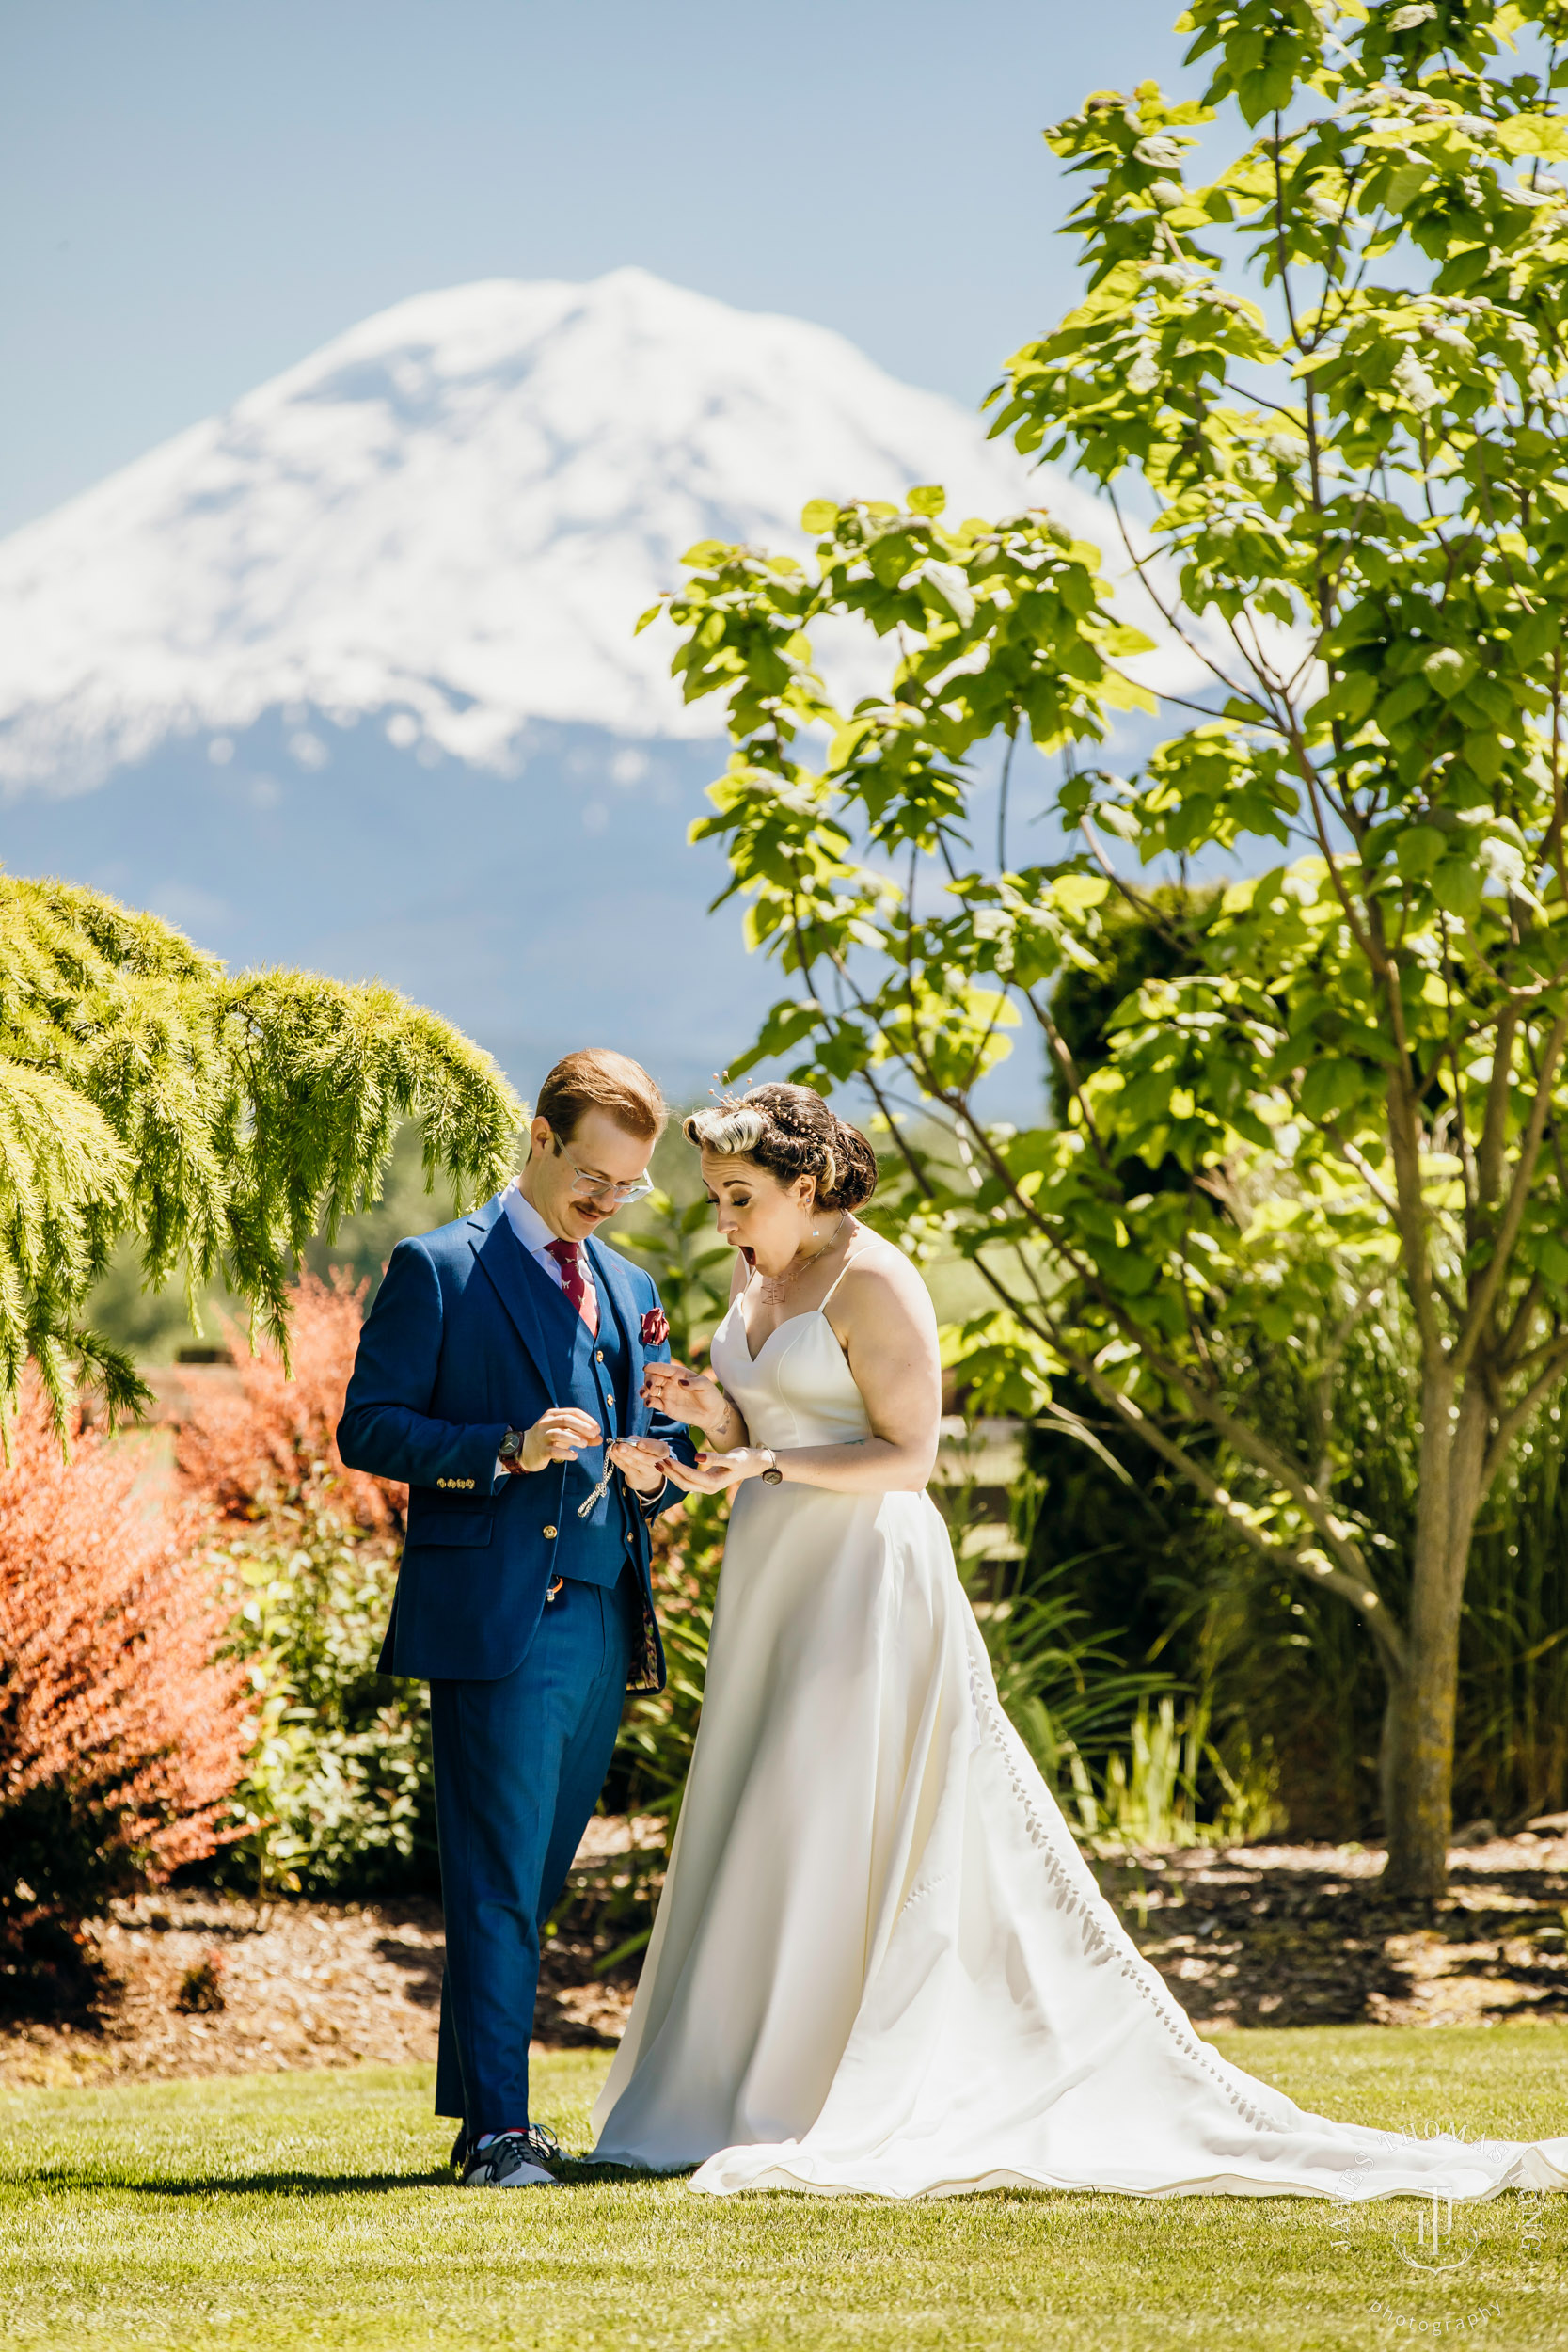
{"x": 656, "y": 1328}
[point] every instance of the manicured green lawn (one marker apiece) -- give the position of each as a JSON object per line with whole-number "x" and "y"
{"x": 304, "y": 2209}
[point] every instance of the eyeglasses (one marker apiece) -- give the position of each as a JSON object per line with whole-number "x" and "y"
{"x": 589, "y": 1187}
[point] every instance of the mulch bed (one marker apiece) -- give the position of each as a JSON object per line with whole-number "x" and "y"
{"x": 195, "y": 1983}
{"x": 192, "y": 1983}
{"x": 1302, "y": 1935}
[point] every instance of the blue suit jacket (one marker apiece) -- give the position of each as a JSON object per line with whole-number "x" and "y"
{"x": 452, "y": 1355}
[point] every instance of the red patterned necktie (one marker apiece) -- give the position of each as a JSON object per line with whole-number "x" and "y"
{"x": 573, "y": 1286}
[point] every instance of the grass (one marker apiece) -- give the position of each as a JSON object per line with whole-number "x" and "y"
{"x": 287, "y": 2210}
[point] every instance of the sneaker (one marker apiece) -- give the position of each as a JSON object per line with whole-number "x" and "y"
{"x": 507, "y": 2161}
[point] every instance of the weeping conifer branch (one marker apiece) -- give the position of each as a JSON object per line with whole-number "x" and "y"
{"x": 220, "y": 1120}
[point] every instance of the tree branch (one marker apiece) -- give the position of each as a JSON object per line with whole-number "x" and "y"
{"x": 1356, "y": 1587}
{"x": 1141, "y": 566}
{"x": 1510, "y": 1423}
{"x": 1511, "y": 1354}
{"x": 1487, "y": 1284}
{"x": 1494, "y": 1133}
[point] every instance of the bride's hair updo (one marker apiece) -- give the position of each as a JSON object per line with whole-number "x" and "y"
{"x": 790, "y": 1132}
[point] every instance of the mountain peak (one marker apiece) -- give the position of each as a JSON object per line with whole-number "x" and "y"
{"x": 453, "y": 514}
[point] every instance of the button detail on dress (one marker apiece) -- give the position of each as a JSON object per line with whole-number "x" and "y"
{"x": 549, "y": 1533}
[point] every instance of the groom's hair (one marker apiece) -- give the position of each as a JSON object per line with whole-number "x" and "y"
{"x": 598, "y": 1080}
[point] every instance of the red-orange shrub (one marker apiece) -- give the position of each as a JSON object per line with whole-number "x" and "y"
{"x": 273, "y": 1440}
{"x": 120, "y": 1739}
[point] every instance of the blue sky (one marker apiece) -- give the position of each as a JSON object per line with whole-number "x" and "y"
{"x": 195, "y": 193}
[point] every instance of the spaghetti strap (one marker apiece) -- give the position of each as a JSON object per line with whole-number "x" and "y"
{"x": 839, "y": 1277}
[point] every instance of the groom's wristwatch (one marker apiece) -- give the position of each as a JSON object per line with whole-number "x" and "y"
{"x": 772, "y": 1475}
{"x": 510, "y": 1451}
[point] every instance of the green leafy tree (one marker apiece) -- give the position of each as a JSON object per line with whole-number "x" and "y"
{"x": 1355, "y": 517}
{"x": 219, "y": 1120}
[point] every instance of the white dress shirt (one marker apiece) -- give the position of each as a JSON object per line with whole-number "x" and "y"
{"x": 536, "y": 1239}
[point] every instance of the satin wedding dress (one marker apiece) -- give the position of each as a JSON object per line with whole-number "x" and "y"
{"x": 881, "y": 1963}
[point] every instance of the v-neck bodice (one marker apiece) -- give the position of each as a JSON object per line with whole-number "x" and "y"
{"x": 798, "y": 1390}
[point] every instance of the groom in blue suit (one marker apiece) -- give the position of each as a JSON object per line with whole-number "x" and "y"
{"x": 501, "y": 1376}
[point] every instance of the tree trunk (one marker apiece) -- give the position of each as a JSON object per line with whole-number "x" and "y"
{"x": 1417, "y": 1766}
{"x": 1417, "y": 1762}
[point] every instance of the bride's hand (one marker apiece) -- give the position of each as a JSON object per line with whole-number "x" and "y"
{"x": 717, "y": 1473}
{"x": 641, "y": 1462}
{"x": 685, "y": 1396}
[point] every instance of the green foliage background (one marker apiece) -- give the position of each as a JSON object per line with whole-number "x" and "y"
{"x": 338, "y": 1797}
{"x": 1321, "y": 382}
{"x": 213, "y": 1120}
{"x": 154, "y": 1326}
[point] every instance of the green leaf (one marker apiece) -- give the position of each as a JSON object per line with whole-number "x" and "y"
{"x": 1551, "y": 1256}
{"x": 1532, "y": 134}
{"x": 927, "y": 498}
{"x": 1330, "y": 1087}
{"x": 1484, "y": 756}
{"x": 1405, "y": 700}
{"x": 1456, "y": 886}
{"x": 1418, "y": 848}
{"x": 1449, "y": 670}
{"x": 1351, "y": 696}
{"x": 951, "y": 584}
{"x": 1405, "y": 184}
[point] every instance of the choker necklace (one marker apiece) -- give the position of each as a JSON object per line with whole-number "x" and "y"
{"x": 775, "y": 1285}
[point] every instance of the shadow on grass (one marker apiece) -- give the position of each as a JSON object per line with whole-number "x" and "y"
{"x": 240, "y": 2183}
{"x": 574, "y": 2174}
{"x": 582, "y": 2173}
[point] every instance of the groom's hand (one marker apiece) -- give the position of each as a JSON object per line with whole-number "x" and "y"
{"x": 556, "y": 1436}
{"x": 643, "y": 1462}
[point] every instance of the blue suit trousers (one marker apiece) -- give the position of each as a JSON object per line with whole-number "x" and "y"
{"x": 518, "y": 1766}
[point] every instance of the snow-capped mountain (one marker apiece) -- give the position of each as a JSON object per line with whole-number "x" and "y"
{"x": 348, "y": 676}
{"x": 451, "y": 514}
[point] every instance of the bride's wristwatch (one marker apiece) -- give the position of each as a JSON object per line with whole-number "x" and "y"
{"x": 772, "y": 1475}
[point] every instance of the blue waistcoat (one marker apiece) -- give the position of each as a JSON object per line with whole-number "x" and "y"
{"x": 469, "y": 1338}
{"x": 591, "y": 1374}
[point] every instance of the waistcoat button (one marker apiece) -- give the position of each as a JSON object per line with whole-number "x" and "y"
{"x": 549, "y": 1533}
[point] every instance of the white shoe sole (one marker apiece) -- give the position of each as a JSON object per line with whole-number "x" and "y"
{"x": 526, "y": 2176}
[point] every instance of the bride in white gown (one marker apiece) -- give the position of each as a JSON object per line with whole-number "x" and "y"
{"x": 880, "y": 1963}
